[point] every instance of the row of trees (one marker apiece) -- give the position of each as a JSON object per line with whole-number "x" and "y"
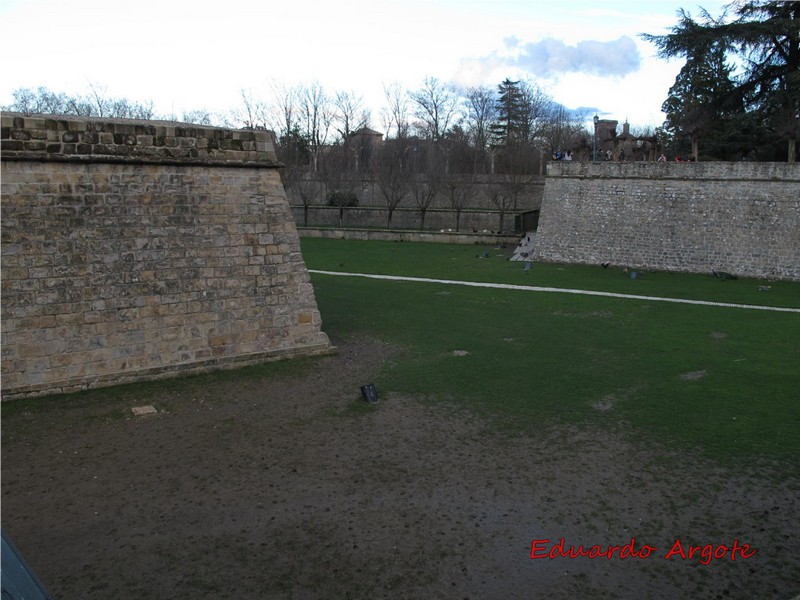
{"x": 442, "y": 141}
{"x": 401, "y": 172}
{"x": 471, "y": 124}
{"x": 468, "y": 125}
{"x": 738, "y": 94}
{"x": 96, "y": 102}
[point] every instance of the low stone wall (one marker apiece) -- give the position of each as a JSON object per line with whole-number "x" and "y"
{"x": 741, "y": 218}
{"x": 133, "y": 250}
{"x": 393, "y": 235}
{"x": 378, "y": 217}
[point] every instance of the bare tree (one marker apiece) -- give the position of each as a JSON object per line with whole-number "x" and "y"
{"x": 395, "y": 114}
{"x": 481, "y": 112}
{"x": 435, "y": 106}
{"x": 316, "y": 111}
{"x": 335, "y": 169}
{"x": 94, "y": 104}
{"x": 391, "y": 175}
{"x": 251, "y": 113}
{"x": 426, "y": 181}
{"x": 198, "y": 117}
{"x": 126, "y": 109}
{"x": 350, "y": 115}
{"x": 424, "y": 187}
{"x": 460, "y": 191}
{"x": 282, "y": 109}
{"x": 300, "y": 183}
{"x": 562, "y": 128}
{"x": 39, "y": 101}
{"x": 98, "y": 101}
{"x": 501, "y": 197}
{"x": 537, "y": 109}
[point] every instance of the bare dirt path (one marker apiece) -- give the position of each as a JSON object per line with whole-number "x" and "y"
{"x": 290, "y": 488}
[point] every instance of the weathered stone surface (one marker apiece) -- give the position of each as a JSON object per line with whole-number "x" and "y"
{"x": 124, "y": 140}
{"x": 741, "y": 218}
{"x": 123, "y": 271}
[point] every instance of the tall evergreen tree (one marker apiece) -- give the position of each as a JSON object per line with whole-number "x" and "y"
{"x": 701, "y": 100}
{"x": 765, "y": 36}
{"x": 510, "y": 124}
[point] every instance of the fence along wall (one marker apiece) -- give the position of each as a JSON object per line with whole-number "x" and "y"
{"x": 478, "y": 213}
{"x": 741, "y": 218}
{"x": 136, "y": 250}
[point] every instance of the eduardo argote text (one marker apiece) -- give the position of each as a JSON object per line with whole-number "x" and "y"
{"x": 704, "y": 554}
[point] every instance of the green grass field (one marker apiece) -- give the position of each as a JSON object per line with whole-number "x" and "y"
{"x": 722, "y": 382}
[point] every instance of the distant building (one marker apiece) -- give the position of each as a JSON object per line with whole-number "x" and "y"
{"x": 363, "y": 142}
{"x": 625, "y": 145}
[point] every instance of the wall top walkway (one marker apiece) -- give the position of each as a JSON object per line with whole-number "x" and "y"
{"x": 727, "y": 171}
{"x": 102, "y": 140}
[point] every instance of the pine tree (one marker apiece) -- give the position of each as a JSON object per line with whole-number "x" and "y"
{"x": 510, "y": 124}
{"x": 765, "y": 35}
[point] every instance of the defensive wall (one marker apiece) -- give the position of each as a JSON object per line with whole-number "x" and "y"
{"x": 741, "y": 218}
{"x": 479, "y": 213}
{"x": 136, "y": 250}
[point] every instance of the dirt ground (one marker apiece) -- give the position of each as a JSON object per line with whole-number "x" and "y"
{"x": 292, "y": 489}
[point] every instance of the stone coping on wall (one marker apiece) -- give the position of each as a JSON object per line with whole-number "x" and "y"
{"x": 95, "y": 139}
{"x": 394, "y": 235}
{"x": 725, "y": 171}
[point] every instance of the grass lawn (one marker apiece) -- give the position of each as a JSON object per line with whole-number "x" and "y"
{"x": 462, "y": 262}
{"x": 722, "y": 382}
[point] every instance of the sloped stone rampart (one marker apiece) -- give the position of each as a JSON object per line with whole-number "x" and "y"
{"x": 740, "y": 218}
{"x": 126, "y": 258}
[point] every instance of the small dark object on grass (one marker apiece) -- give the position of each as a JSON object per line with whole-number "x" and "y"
{"x": 723, "y": 275}
{"x": 605, "y": 264}
{"x": 369, "y": 393}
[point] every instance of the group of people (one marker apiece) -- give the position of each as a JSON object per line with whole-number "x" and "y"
{"x": 559, "y": 155}
{"x": 609, "y": 156}
{"x": 663, "y": 158}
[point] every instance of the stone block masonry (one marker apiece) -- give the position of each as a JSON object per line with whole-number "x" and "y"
{"x": 740, "y": 218}
{"x": 135, "y": 250}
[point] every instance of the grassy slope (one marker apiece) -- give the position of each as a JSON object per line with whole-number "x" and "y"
{"x": 537, "y": 358}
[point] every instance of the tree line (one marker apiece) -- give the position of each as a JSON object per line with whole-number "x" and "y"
{"x": 738, "y": 93}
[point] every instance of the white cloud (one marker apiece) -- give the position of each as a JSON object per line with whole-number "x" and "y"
{"x": 551, "y": 57}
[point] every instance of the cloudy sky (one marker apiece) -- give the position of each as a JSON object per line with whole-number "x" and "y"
{"x": 198, "y": 54}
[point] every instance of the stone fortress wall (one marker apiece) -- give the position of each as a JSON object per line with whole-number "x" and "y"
{"x": 741, "y": 218}
{"x": 479, "y": 213}
{"x": 135, "y": 250}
